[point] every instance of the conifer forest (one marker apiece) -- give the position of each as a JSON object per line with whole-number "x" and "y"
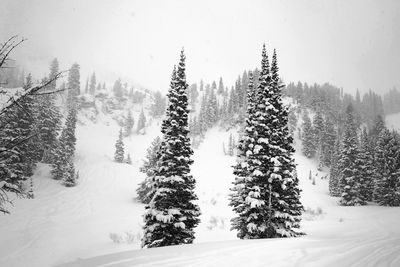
{"x": 199, "y": 133}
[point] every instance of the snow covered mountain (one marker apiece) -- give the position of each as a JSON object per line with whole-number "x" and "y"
{"x": 73, "y": 226}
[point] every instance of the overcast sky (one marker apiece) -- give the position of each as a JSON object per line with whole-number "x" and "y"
{"x": 351, "y": 44}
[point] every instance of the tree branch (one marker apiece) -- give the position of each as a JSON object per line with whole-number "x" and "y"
{"x": 13, "y": 100}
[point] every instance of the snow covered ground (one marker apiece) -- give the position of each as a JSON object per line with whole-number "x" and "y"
{"x": 72, "y": 226}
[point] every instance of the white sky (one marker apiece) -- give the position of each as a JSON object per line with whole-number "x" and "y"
{"x": 352, "y": 44}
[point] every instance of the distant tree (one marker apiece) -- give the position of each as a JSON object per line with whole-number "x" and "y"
{"x": 49, "y": 117}
{"x": 328, "y": 142}
{"x": 129, "y": 124}
{"x": 193, "y": 97}
{"x": 93, "y": 82}
{"x": 349, "y": 162}
{"x": 334, "y": 173}
{"x": 87, "y": 86}
{"x": 201, "y": 86}
{"x": 221, "y": 87}
{"x": 377, "y": 128}
{"x": 318, "y": 131}
{"x": 118, "y": 90}
{"x": 119, "y": 149}
{"x": 141, "y": 122}
{"x": 308, "y": 140}
{"x": 73, "y": 85}
{"x": 157, "y": 108}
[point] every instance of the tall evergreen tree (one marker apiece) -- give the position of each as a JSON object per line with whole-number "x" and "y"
{"x": 387, "y": 180}
{"x": 221, "y": 87}
{"x": 172, "y": 215}
{"x": 49, "y": 118}
{"x": 145, "y": 190}
{"x": 287, "y": 208}
{"x": 74, "y": 85}
{"x": 241, "y": 170}
{"x": 64, "y": 153}
{"x": 318, "y": 131}
{"x": 265, "y": 193}
{"x": 350, "y": 181}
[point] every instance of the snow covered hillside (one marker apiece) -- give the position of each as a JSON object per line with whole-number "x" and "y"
{"x": 73, "y": 226}
{"x": 336, "y": 235}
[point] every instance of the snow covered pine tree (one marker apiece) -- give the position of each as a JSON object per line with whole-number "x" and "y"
{"x": 349, "y": 162}
{"x": 265, "y": 193}
{"x": 119, "y": 148}
{"x": 144, "y": 191}
{"x": 387, "y": 184}
{"x": 171, "y": 215}
{"x": 63, "y": 153}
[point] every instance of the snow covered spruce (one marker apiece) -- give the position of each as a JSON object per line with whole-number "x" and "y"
{"x": 63, "y": 153}
{"x": 171, "y": 214}
{"x": 144, "y": 191}
{"x": 265, "y": 194}
{"x": 119, "y": 148}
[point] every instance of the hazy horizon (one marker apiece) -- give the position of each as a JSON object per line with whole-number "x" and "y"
{"x": 350, "y": 44}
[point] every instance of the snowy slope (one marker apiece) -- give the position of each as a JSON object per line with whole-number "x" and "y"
{"x": 66, "y": 225}
{"x": 339, "y": 236}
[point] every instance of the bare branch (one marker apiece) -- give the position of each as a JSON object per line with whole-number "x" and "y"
{"x": 9, "y": 49}
{"x": 51, "y": 92}
{"x": 7, "y": 42}
{"x": 16, "y": 144}
{"x": 30, "y": 91}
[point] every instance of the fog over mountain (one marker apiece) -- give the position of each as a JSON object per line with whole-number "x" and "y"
{"x": 352, "y": 44}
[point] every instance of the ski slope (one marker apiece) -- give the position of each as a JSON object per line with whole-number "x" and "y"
{"x": 72, "y": 226}
{"x": 339, "y": 236}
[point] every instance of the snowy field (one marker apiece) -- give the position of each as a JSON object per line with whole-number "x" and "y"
{"x": 72, "y": 226}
